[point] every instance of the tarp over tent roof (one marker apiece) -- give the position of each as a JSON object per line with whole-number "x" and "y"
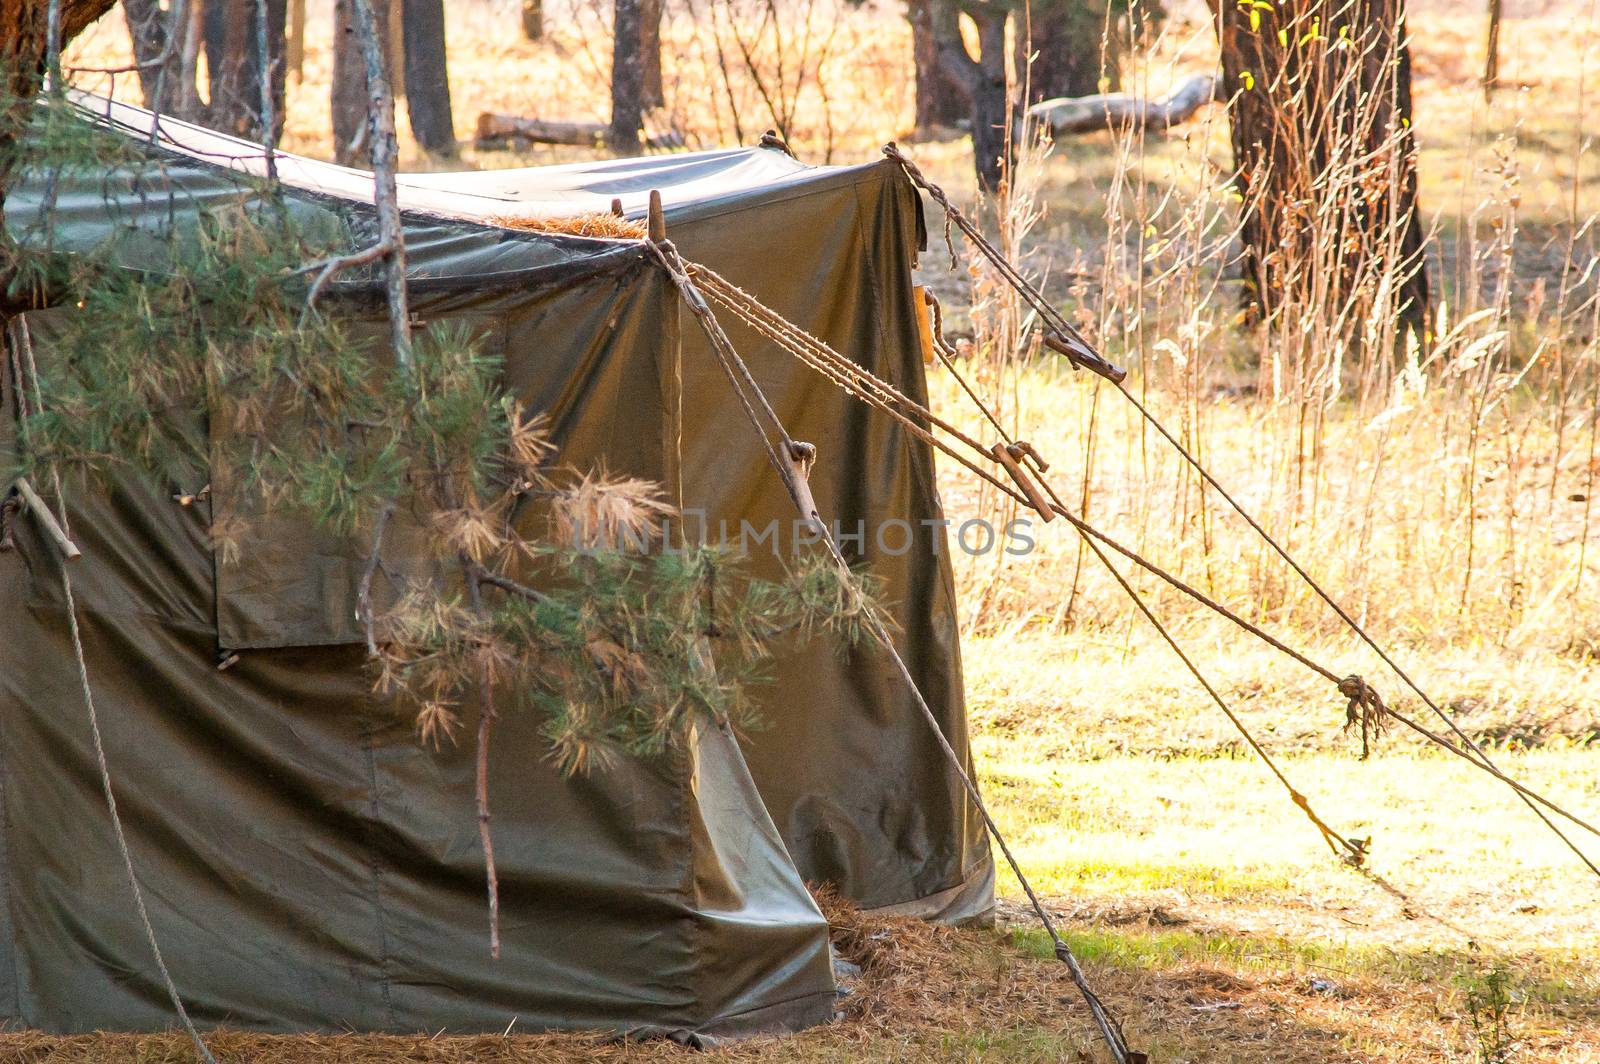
{"x": 307, "y": 864}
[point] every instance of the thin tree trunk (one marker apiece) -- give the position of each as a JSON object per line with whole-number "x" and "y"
{"x": 349, "y": 92}
{"x": 533, "y": 19}
{"x": 227, "y": 37}
{"x": 1491, "y": 62}
{"x": 626, "y": 77}
{"x": 160, "y": 58}
{"x": 187, "y": 99}
{"x": 942, "y": 102}
{"x": 266, "y": 73}
{"x": 269, "y": 56}
{"x": 427, "y": 76}
{"x": 651, "y": 91}
{"x": 234, "y": 62}
{"x": 295, "y": 46}
{"x": 384, "y": 149}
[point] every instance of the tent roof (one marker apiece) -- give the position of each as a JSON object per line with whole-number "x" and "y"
{"x": 695, "y": 178}
{"x": 449, "y": 233}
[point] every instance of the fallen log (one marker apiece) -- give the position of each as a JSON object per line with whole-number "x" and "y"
{"x": 496, "y": 129}
{"x": 1068, "y": 115}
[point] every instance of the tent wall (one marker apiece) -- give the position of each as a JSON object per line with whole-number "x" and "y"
{"x": 309, "y": 866}
{"x": 849, "y": 770}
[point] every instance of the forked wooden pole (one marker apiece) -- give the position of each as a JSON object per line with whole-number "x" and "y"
{"x": 657, "y": 220}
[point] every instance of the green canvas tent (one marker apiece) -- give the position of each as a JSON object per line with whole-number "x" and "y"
{"x": 307, "y": 864}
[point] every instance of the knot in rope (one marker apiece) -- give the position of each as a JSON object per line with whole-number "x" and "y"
{"x": 804, "y": 455}
{"x": 1364, "y": 710}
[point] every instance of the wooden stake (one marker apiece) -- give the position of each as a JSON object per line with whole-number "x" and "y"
{"x": 919, "y": 297}
{"x": 1036, "y": 498}
{"x": 58, "y": 535}
{"x": 799, "y": 482}
{"x": 657, "y": 218}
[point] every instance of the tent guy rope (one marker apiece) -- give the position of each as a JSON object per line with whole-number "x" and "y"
{"x": 791, "y": 459}
{"x": 1365, "y": 709}
{"x": 21, "y": 345}
{"x": 1011, "y": 454}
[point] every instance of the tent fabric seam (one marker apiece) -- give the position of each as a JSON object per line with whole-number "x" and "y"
{"x": 374, "y": 809}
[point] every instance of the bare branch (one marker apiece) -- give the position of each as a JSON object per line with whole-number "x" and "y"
{"x": 329, "y": 267}
{"x": 364, "y": 592}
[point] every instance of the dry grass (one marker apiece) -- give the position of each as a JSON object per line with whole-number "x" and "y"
{"x": 607, "y": 226}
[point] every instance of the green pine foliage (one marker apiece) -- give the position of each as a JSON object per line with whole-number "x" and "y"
{"x": 547, "y": 590}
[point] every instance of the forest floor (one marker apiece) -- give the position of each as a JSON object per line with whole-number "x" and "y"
{"x": 1206, "y": 911}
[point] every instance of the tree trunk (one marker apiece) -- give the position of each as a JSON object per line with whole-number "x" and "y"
{"x": 1491, "y": 62}
{"x": 497, "y": 130}
{"x": 627, "y": 80}
{"x": 295, "y": 46}
{"x": 942, "y": 102}
{"x": 983, "y": 80}
{"x": 427, "y": 76}
{"x": 226, "y": 35}
{"x": 533, "y": 19}
{"x": 233, "y": 60}
{"x": 1325, "y": 157}
{"x": 24, "y": 52}
{"x": 150, "y": 30}
{"x": 349, "y": 96}
{"x": 652, "y": 92}
{"x": 1071, "y": 47}
{"x": 991, "y": 112}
